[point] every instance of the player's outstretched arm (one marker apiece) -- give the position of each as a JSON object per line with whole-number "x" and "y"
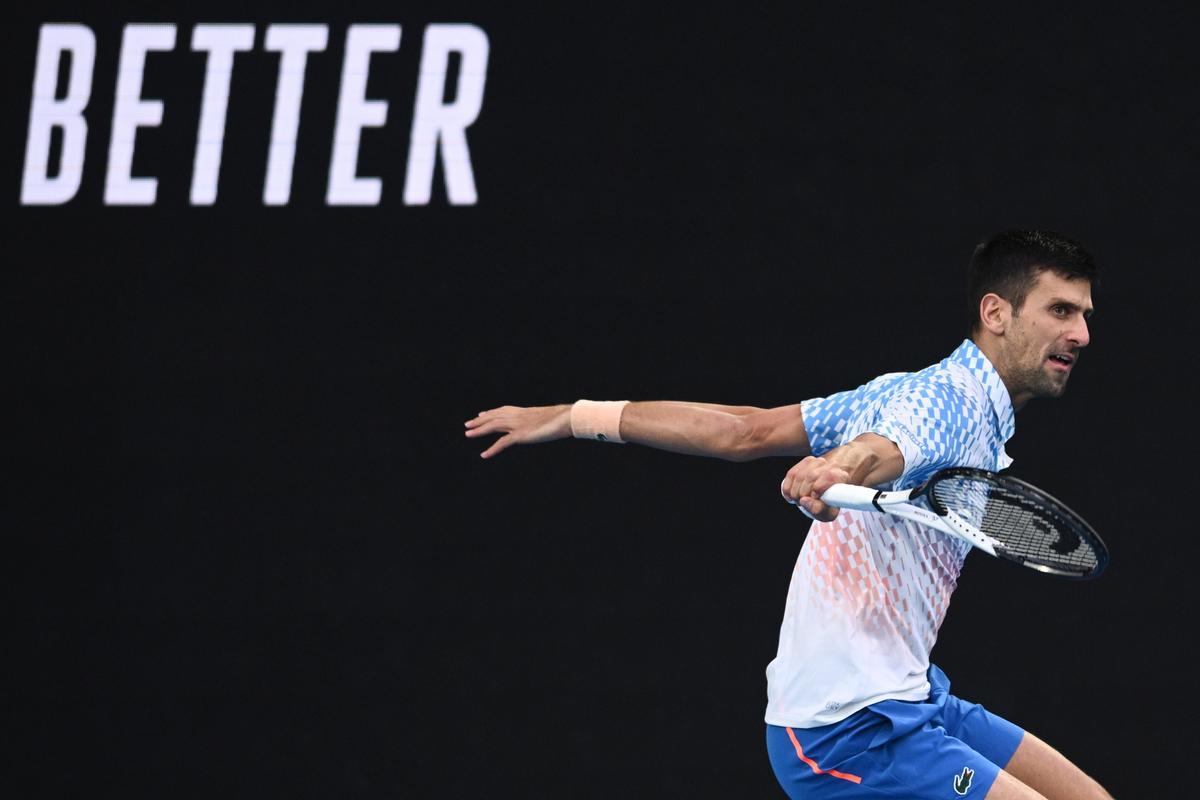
{"x": 734, "y": 433}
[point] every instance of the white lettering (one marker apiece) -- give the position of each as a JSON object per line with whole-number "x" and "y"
{"x": 220, "y": 42}
{"x": 47, "y": 113}
{"x": 295, "y": 42}
{"x": 131, "y": 112}
{"x": 449, "y": 97}
{"x": 434, "y": 121}
{"x": 355, "y": 112}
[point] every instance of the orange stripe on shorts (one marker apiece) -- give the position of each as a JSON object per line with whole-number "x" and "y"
{"x": 815, "y": 767}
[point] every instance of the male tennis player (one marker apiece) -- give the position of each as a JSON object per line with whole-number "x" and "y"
{"x": 855, "y": 709}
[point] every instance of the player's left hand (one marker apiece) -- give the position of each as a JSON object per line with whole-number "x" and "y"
{"x": 520, "y": 426}
{"x": 807, "y": 481}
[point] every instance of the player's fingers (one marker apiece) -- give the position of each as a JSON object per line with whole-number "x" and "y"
{"x": 791, "y": 488}
{"x": 800, "y": 507}
{"x": 484, "y": 416}
{"x": 818, "y": 509}
{"x": 799, "y": 477}
{"x": 484, "y": 428}
{"x": 497, "y": 446}
{"x": 803, "y": 487}
{"x": 473, "y": 432}
{"x": 791, "y": 480}
{"x": 797, "y": 490}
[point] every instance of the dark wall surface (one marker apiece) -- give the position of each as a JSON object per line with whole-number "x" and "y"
{"x": 262, "y": 558}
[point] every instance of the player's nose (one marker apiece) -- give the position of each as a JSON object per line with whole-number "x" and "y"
{"x": 1079, "y": 334}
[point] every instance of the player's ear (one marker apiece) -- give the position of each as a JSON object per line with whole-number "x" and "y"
{"x": 994, "y": 313}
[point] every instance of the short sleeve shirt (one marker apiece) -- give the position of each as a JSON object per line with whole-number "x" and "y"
{"x": 870, "y": 591}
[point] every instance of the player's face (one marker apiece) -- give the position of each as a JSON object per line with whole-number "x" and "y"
{"x": 1046, "y": 336}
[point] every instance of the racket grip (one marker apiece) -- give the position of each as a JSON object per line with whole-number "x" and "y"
{"x": 845, "y": 495}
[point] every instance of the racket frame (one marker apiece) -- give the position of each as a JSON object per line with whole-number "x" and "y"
{"x": 864, "y": 498}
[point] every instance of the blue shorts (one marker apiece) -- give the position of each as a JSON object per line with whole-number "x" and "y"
{"x": 942, "y": 747}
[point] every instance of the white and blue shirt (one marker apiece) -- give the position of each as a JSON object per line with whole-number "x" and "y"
{"x": 870, "y": 590}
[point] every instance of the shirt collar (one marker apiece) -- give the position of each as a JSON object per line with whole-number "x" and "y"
{"x": 970, "y": 356}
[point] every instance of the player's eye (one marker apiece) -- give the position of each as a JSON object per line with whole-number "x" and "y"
{"x": 1059, "y": 310}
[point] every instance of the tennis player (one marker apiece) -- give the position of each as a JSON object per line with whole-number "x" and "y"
{"x": 855, "y": 708}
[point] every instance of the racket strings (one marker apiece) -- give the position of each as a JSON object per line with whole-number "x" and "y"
{"x": 1031, "y": 528}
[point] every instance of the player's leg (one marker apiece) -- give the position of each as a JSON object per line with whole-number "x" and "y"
{"x": 1022, "y": 755}
{"x": 1006, "y": 787}
{"x": 1039, "y": 765}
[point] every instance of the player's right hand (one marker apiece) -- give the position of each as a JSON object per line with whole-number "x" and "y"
{"x": 520, "y": 426}
{"x": 807, "y": 481}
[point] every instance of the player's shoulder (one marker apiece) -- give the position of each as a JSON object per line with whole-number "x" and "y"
{"x": 945, "y": 386}
{"x": 949, "y": 376}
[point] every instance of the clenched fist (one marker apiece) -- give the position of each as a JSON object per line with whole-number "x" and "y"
{"x": 807, "y": 481}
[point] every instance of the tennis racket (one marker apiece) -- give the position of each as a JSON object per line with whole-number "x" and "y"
{"x": 1002, "y": 516}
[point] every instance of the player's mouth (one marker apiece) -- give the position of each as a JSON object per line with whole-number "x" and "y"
{"x": 1061, "y": 361}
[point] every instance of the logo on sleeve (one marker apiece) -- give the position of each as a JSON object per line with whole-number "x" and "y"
{"x": 962, "y": 782}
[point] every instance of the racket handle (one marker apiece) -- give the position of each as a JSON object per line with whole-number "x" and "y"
{"x": 845, "y": 495}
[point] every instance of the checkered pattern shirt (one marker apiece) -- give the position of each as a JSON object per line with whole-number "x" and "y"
{"x": 870, "y": 591}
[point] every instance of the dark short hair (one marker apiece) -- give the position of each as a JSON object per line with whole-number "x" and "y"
{"x": 1008, "y": 263}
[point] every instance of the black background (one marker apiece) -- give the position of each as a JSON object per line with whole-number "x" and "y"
{"x": 255, "y": 556}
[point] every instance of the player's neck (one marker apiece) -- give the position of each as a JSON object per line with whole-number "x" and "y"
{"x": 993, "y": 347}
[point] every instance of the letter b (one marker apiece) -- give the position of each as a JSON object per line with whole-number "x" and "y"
{"x": 46, "y": 112}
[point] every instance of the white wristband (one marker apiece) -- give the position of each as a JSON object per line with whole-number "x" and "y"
{"x": 598, "y": 419}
